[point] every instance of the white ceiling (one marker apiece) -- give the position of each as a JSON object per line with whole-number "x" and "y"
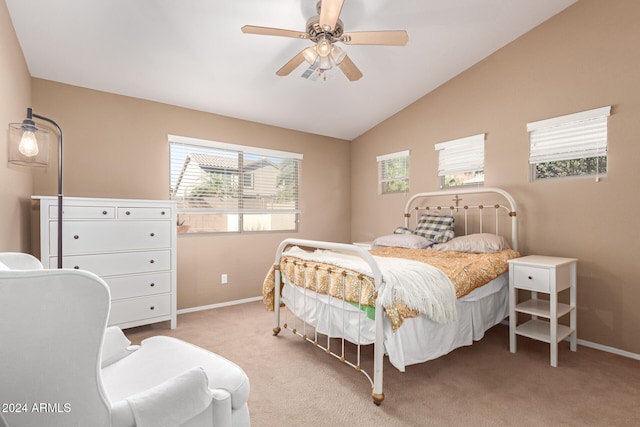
{"x": 191, "y": 53}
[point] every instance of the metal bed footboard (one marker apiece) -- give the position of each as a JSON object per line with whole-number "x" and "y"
{"x": 377, "y": 381}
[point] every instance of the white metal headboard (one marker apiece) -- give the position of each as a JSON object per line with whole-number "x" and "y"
{"x": 416, "y": 205}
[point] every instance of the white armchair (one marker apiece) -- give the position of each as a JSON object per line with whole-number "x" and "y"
{"x": 61, "y": 366}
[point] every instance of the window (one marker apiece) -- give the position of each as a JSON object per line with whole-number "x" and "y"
{"x": 571, "y": 145}
{"x": 223, "y": 187}
{"x": 461, "y": 161}
{"x": 393, "y": 172}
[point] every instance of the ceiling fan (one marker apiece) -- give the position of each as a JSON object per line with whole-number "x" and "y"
{"x": 324, "y": 30}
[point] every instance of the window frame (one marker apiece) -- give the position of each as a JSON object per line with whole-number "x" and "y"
{"x": 459, "y": 157}
{"x": 570, "y": 138}
{"x": 238, "y": 179}
{"x": 384, "y": 182}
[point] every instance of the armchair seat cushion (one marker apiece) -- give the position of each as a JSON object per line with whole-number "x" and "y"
{"x": 161, "y": 358}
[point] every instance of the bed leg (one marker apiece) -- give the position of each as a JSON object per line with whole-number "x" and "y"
{"x": 276, "y": 300}
{"x": 377, "y": 398}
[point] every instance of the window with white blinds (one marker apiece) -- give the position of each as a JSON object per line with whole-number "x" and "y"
{"x": 393, "y": 172}
{"x": 575, "y": 144}
{"x": 222, "y": 187}
{"x": 461, "y": 161}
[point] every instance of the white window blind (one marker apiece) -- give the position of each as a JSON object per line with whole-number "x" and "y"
{"x": 574, "y": 136}
{"x": 463, "y": 155}
{"x": 223, "y": 187}
{"x": 393, "y": 172}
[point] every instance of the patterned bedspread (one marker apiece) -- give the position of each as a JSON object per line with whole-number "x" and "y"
{"x": 465, "y": 270}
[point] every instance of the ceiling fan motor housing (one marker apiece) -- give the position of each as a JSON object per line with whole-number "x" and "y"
{"x": 316, "y": 32}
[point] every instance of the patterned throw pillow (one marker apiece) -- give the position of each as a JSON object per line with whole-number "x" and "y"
{"x": 437, "y": 228}
{"x": 403, "y": 230}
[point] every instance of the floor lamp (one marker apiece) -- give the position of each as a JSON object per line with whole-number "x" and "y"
{"x": 29, "y": 146}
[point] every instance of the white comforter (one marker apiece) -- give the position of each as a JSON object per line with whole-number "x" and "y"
{"x": 419, "y": 286}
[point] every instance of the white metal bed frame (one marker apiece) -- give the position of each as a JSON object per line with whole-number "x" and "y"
{"x": 377, "y": 381}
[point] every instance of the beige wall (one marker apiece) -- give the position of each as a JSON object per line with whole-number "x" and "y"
{"x": 584, "y": 58}
{"x": 15, "y": 181}
{"x": 115, "y": 146}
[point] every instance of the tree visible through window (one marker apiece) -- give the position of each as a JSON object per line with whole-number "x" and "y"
{"x": 393, "y": 172}
{"x": 222, "y": 187}
{"x": 571, "y": 145}
{"x": 461, "y": 161}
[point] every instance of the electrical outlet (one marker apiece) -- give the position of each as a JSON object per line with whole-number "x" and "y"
{"x": 224, "y": 279}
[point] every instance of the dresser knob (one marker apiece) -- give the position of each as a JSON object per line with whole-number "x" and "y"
{"x": 152, "y": 234}
{"x": 127, "y": 213}
{"x": 162, "y": 213}
{"x": 530, "y": 277}
{"x": 152, "y": 261}
{"x": 104, "y": 212}
{"x": 76, "y": 267}
{"x": 152, "y": 284}
{"x": 152, "y": 308}
{"x": 76, "y": 237}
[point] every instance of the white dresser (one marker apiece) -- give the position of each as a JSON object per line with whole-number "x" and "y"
{"x": 130, "y": 244}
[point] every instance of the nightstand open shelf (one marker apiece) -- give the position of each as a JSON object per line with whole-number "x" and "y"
{"x": 540, "y": 330}
{"x": 548, "y": 275}
{"x": 541, "y": 308}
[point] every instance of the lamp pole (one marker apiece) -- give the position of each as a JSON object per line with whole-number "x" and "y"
{"x": 30, "y": 115}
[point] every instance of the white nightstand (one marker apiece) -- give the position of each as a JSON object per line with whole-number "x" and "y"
{"x": 549, "y": 275}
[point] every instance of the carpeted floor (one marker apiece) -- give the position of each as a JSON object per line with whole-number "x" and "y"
{"x": 295, "y": 384}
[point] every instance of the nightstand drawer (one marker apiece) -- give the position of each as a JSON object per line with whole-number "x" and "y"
{"x": 531, "y": 278}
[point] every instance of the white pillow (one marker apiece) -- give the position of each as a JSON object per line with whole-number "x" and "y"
{"x": 474, "y": 243}
{"x": 410, "y": 241}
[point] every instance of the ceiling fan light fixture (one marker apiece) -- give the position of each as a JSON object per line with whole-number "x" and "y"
{"x": 323, "y": 47}
{"x": 325, "y": 63}
{"x": 337, "y": 54}
{"x": 310, "y": 55}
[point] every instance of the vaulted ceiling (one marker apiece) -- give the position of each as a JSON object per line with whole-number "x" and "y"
{"x": 192, "y": 53}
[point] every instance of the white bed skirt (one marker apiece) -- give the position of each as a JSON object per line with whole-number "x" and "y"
{"x": 418, "y": 339}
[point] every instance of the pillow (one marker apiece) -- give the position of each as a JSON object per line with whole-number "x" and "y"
{"x": 410, "y": 241}
{"x": 403, "y": 230}
{"x": 437, "y": 228}
{"x": 474, "y": 243}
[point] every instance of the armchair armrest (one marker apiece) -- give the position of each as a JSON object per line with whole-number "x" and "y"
{"x": 115, "y": 346}
{"x": 174, "y": 401}
{"x": 19, "y": 261}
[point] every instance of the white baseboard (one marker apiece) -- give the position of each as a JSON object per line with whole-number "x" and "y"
{"x": 609, "y": 349}
{"x": 222, "y": 304}
{"x": 596, "y": 346}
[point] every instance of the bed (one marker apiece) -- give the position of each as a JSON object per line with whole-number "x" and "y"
{"x": 434, "y": 284}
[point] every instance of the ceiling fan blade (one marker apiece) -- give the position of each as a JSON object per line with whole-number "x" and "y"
{"x": 349, "y": 69}
{"x": 329, "y": 13}
{"x": 390, "y": 38}
{"x": 268, "y": 31}
{"x": 291, "y": 65}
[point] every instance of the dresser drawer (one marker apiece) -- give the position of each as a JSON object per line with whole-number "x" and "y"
{"x": 139, "y": 285}
{"x": 531, "y": 278}
{"x": 144, "y": 213}
{"x": 118, "y": 263}
{"x": 135, "y": 309}
{"x": 82, "y": 212}
{"x": 110, "y": 235}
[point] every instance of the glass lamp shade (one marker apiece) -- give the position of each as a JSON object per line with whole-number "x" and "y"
{"x": 325, "y": 63}
{"x": 310, "y": 55}
{"x": 337, "y": 54}
{"x": 323, "y": 47}
{"x": 28, "y": 145}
